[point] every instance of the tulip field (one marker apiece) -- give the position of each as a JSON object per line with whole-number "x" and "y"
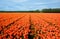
{"x": 29, "y": 26}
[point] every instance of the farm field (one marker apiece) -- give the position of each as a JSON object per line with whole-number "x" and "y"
{"x": 29, "y": 26}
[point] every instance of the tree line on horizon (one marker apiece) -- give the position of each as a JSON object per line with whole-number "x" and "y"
{"x": 54, "y": 10}
{"x": 49, "y": 10}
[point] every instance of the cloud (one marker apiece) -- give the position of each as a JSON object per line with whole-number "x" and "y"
{"x": 11, "y": 5}
{"x": 18, "y": 0}
{"x": 47, "y": 2}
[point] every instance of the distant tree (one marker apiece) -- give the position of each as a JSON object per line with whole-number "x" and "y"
{"x": 54, "y": 10}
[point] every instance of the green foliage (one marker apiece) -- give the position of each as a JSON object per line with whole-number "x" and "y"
{"x": 54, "y": 10}
{"x": 49, "y": 10}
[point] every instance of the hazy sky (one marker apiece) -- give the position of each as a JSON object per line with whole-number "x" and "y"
{"x": 14, "y": 5}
